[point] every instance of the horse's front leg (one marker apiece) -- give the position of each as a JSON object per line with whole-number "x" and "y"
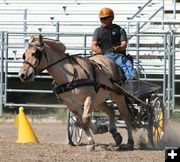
{"x": 76, "y": 110}
{"x": 100, "y": 128}
{"x": 88, "y": 105}
{"x": 85, "y": 127}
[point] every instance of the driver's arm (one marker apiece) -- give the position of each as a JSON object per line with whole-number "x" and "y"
{"x": 95, "y": 48}
{"x": 121, "y": 47}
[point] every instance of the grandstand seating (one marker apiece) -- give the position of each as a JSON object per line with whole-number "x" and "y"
{"x": 77, "y": 16}
{"x": 73, "y": 10}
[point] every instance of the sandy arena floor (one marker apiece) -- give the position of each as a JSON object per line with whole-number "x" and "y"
{"x": 53, "y": 147}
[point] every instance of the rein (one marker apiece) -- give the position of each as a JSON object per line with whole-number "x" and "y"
{"x": 67, "y": 56}
{"x": 34, "y": 67}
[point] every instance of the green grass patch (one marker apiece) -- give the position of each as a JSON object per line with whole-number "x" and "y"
{"x": 37, "y": 113}
{"x": 6, "y": 116}
{"x": 176, "y": 116}
{"x": 61, "y": 114}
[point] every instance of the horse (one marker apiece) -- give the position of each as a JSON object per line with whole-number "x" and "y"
{"x": 81, "y": 84}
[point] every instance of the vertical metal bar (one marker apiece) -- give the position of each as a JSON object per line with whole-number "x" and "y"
{"x": 85, "y": 44}
{"x": 25, "y": 25}
{"x": 170, "y": 44}
{"x": 128, "y": 31}
{"x": 6, "y": 68}
{"x": 57, "y": 30}
{"x": 137, "y": 45}
{"x": 1, "y": 73}
{"x": 163, "y": 14}
{"x": 165, "y": 70}
{"x": 168, "y": 86}
{"x": 174, "y": 9}
{"x": 128, "y": 26}
{"x": 173, "y": 73}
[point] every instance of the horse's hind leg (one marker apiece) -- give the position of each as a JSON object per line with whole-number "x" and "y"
{"x": 122, "y": 106}
{"x": 112, "y": 125}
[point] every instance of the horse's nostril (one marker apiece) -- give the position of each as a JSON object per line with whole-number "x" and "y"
{"x": 22, "y": 76}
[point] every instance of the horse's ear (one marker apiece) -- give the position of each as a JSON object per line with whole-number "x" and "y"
{"x": 40, "y": 39}
{"x": 31, "y": 39}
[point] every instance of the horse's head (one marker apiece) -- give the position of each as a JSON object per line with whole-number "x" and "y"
{"x": 34, "y": 59}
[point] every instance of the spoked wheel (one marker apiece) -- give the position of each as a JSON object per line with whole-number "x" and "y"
{"x": 74, "y": 132}
{"x": 157, "y": 125}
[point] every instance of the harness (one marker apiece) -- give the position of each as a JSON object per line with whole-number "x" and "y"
{"x": 78, "y": 83}
{"x": 58, "y": 89}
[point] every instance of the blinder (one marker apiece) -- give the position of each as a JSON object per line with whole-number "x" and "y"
{"x": 38, "y": 54}
{"x": 40, "y": 50}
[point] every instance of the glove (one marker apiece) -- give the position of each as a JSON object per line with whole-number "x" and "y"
{"x": 98, "y": 51}
{"x": 115, "y": 49}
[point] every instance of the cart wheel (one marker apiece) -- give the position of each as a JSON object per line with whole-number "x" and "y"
{"x": 74, "y": 132}
{"x": 157, "y": 128}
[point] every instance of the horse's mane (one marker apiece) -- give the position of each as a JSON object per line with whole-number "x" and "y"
{"x": 55, "y": 45}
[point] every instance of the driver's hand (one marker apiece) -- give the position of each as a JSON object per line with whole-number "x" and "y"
{"x": 98, "y": 51}
{"x": 115, "y": 48}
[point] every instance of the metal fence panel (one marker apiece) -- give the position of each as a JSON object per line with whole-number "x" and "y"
{"x": 160, "y": 58}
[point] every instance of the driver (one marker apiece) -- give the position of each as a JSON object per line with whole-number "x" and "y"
{"x": 111, "y": 40}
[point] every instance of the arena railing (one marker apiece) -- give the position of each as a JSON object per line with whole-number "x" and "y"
{"x": 157, "y": 57}
{"x": 138, "y": 46}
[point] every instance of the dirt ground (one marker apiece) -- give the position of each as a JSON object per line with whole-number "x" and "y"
{"x": 53, "y": 147}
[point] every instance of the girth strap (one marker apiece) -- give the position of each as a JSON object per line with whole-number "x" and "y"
{"x": 79, "y": 83}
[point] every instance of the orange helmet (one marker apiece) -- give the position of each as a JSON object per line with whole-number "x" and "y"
{"x": 106, "y": 12}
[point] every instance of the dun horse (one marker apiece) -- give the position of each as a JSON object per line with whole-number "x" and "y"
{"x": 80, "y": 83}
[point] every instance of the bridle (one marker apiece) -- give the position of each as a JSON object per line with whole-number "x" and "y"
{"x": 40, "y": 51}
{"x": 38, "y": 55}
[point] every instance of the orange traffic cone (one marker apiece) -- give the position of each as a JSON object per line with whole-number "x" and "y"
{"x": 25, "y": 131}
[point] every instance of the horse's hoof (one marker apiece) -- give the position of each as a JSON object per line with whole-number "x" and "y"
{"x": 128, "y": 146}
{"x": 70, "y": 143}
{"x": 118, "y": 139}
{"x": 90, "y": 147}
{"x": 125, "y": 147}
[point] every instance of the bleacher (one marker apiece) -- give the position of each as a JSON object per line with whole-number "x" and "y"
{"x": 79, "y": 17}
{"x": 71, "y": 11}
